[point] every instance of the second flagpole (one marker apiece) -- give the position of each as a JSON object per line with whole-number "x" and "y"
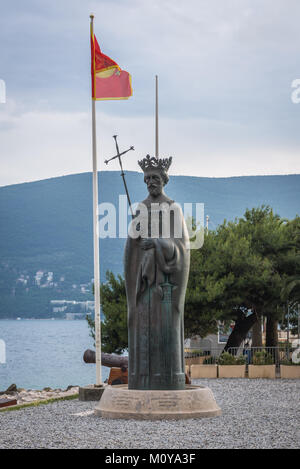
{"x": 96, "y": 230}
{"x": 156, "y": 116}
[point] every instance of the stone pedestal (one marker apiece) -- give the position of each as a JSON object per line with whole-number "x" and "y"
{"x": 91, "y": 392}
{"x": 119, "y": 402}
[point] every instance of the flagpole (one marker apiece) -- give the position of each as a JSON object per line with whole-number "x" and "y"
{"x": 96, "y": 237}
{"x": 156, "y": 116}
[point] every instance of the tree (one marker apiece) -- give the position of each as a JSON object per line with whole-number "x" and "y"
{"x": 114, "y": 326}
{"x": 230, "y": 278}
{"x": 268, "y": 235}
{"x": 290, "y": 292}
{"x": 239, "y": 273}
{"x": 291, "y": 289}
{"x": 203, "y": 295}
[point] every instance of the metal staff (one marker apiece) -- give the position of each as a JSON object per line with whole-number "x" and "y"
{"x": 156, "y": 116}
{"x": 118, "y": 155}
{"x": 96, "y": 235}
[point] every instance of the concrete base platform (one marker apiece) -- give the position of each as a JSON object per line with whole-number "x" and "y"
{"x": 119, "y": 402}
{"x": 91, "y": 392}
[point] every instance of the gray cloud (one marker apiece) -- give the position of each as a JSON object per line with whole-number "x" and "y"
{"x": 225, "y": 72}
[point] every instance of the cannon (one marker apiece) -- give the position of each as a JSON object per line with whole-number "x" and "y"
{"x": 118, "y": 365}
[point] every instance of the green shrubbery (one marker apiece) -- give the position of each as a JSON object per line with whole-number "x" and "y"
{"x": 262, "y": 358}
{"x": 227, "y": 358}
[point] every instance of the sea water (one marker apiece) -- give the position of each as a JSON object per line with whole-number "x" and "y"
{"x": 42, "y": 353}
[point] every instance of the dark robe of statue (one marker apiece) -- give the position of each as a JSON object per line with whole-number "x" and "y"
{"x": 156, "y": 275}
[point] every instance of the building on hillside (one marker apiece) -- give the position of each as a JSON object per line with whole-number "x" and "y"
{"x": 72, "y": 309}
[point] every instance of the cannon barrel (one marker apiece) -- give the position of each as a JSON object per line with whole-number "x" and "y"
{"x": 107, "y": 359}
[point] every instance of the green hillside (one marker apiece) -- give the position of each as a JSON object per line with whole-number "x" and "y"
{"x": 46, "y": 227}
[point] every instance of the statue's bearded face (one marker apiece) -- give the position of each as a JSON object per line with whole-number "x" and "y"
{"x": 154, "y": 183}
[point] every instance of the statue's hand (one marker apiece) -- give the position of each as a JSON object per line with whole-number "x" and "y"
{"x": 147, "y": 243}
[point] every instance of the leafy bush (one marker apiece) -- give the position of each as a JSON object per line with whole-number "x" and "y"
{"x": 262, "y": 358}
{"x": 240, "y": 360}
{"x": 228, "y": 359}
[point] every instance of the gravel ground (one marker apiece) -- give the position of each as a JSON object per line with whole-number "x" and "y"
{"x": 256, "y": 414}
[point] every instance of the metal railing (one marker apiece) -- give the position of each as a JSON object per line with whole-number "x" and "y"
{"x": 252, "y": 355}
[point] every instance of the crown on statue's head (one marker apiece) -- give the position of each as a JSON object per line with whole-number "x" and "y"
{"x": 151, "y": 162}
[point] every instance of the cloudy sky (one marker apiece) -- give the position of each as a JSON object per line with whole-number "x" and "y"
{"x": 225, "y": 72}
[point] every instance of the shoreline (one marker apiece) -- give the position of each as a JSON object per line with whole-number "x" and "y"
{"x": 32, "y": 396}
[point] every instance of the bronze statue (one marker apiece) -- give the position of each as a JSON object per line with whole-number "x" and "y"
{"x": 156, "y": 275}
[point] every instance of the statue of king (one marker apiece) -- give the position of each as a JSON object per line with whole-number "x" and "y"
{"x": 156, "y": 273}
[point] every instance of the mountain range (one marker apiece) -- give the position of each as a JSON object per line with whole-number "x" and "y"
{"x": 46, "y": 240}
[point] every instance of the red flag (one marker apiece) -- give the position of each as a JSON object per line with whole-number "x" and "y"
{"x": 108, "y": 80}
